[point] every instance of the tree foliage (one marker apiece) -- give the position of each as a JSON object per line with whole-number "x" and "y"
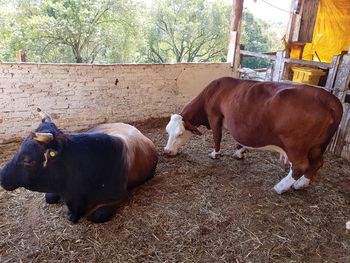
{"x": 121, "y": 31}
{"x": 72, "y": 30}
{"x": 188, "y": 31}
{"x": 257, "y": 36}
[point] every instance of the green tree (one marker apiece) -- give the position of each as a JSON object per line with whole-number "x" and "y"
{"x": 188, "y": 31}
{"x": 73, "y": 30}
{"x": 257, "y": 36}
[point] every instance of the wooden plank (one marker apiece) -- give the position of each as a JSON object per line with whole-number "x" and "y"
{"x": 296, "y": 29}
{"x": 237, "y": 11}
{"x": 21, "y": 56}
{"x": 341, "y": 84}
{"x": 301, "y": 25}
{"x": 291, "y": 24}
{"x": 339, "y": 139}
{"x": 332, "y": 72}
{"x": 231, "y": 47}
{"x": 307, "y": 21}
{"x": 278, "y": 67}
{"x": 256, "y": 54}
{"x": 340, "y": 146}
{"x": 308, "y": 63}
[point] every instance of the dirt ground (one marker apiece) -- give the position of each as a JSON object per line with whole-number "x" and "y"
{"x": 194, "y": 210}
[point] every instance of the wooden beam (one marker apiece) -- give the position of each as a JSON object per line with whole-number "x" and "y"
{"x": 237, "y": 10}
{"x": 308, "y": 19}
{"x": 279, "y": 66}
{"x": 21, "y": 56}
{"x": 231, "y": 47}
{"x": 256, "y": 54}
{"x": 302, "y": 21}
{"x": 308, "y": 63}
{"x": 341, "y": 84}
{"x": 332, "y": 73}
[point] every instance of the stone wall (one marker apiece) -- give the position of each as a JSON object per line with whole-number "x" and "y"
{"x": 80, "y": 96}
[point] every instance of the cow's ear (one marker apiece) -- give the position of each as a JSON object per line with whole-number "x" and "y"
{"x": 192, "y": 128}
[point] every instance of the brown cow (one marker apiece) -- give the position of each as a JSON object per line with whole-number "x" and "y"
{"x": 296, "y": 120}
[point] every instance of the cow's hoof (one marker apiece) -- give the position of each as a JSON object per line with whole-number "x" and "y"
{"x": 301, "y": 183}
{"x": 285, "y": 184}
{"x": 279, "y": 190}
{"x": 214, "y": 155}
{"x": 101, "y": 215}
{"x": 238, "y": 156}
{"x": 51, "y": 198}
{"x": 73, "y": 218}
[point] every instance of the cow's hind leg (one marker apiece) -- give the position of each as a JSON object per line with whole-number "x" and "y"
{"x": 216, "y": 126}
{"x": 238, "y": 153}
{"x": 316, "y": 162}
{"x": 298, "y": 167}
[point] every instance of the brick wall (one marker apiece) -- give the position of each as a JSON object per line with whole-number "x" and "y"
{"x": 80, "y": 96}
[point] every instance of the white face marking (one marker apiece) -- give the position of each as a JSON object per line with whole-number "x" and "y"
{"x": 301, "y": 183}
{"x": 45, "y": 158}
{"x": 285, "y": 184}
{"x": 178, "y": 135}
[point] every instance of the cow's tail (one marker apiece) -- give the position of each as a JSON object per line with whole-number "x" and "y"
{"x": 336, "y": 112}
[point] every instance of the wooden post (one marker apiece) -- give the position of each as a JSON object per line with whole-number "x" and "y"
{"x": 341, "y": 83}
{"x": 21, "y": 56}
{"x": 233, "y": 55}
{"x": 331, "y": 73}
{"x": 278, "y": 67}
{"x": 302, "y": 21}
{"x": 341, "y": 86}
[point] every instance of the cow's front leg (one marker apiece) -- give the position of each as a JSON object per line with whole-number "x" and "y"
{"x": 103, "y": 214}
{"x": 51, "y": 198}
{"x": 216, "y": 126}
{"x": 76, "y": 209}
{"x": 238, "y": 153}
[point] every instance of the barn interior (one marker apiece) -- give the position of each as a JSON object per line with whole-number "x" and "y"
{"x": 195, "y": 209}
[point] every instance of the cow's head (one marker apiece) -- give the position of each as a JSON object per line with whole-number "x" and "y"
{"x": 39, "y": 154}
{"x": 179, "y": 131}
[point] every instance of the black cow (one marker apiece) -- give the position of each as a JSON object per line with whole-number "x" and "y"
{"x": 91, "y": 172}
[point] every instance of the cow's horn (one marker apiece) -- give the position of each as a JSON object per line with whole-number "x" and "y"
{"x": 43, "y": 136}
{"x": 44, "y": 116}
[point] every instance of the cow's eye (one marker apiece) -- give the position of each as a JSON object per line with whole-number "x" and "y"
{"x": 52, "y": 153}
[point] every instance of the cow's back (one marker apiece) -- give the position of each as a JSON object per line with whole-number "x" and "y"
{"x": 262, "y": 113}
{"x": 141, "y": 153}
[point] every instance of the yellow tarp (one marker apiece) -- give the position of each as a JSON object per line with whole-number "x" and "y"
{"x": 332, "y": 31}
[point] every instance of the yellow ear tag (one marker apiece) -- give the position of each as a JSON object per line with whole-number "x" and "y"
{"x": 52, "y": 154}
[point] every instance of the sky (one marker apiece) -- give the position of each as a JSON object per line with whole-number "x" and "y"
{"x": 269, "y": 10}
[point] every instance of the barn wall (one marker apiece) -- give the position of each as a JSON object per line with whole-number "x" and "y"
{"x": 80, "y": 96}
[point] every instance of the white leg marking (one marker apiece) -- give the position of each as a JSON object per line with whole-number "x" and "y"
{"x": 302, "y": 182}
{"x": 239, "y": 153}
{"x": 285, "y": 184}
{"x": 214, "y": 154}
